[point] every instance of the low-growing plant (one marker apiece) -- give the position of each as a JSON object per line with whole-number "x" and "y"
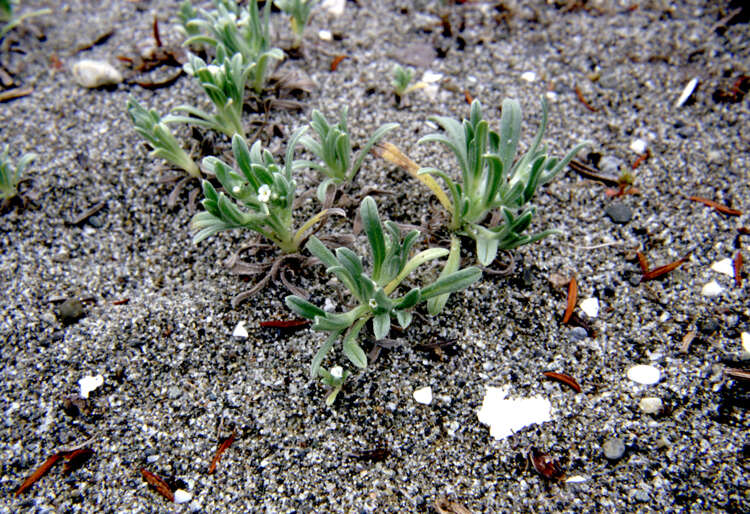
{"x": 374, "y": 293}
{"x": 401, "y": 81}
{"x": 224, "y": 83}
{"x": 9, "y": 19}
{"x": 239, "y": 31}
{"x": 333, "y": 147}
{"x": 258, "y": 197}
{"x": 164, "y": 145}
{"x": 10, "y": 176}
{"x": 299, "y": 12}
{"x": 492, "y": 180}
{"x": 334, "y": 379}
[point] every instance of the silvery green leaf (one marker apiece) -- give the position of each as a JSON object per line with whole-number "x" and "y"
{"x": 381, "y": 325}
{"x": 456, "y": 281}
{"x": 374, "y": 230}
{"x": 404, "y": 318}
{"x": 353, "y": 351}
{"x": 321, "y": 354}
{"x": 486, "y": 250}
{"x": 303, "y": 308}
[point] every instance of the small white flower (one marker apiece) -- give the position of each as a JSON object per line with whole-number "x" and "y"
{"x": 337, "y": 372}
{"x": 236, "y": 189}
{"x": 264, "y": 193}
{"x": 373, "y": 303}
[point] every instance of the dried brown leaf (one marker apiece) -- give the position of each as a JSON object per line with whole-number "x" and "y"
{"x": 336, "y": 61}
{"x": 39, "y": 473}
{"x": 76, "y": 458}
{"x": 226, "y": 443}
{"x": 643, "y": 262}
{"x": 663, "y": 270}
{"x": 158, "y": 484}
{"x": 738, "y": 269}
{"x": 572, "y": 299}
{"x": 565, "y": 379}
{"x": 545, "y": 465}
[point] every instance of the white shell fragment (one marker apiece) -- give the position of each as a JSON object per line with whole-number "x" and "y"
{"x": 689, "y": 88}
{"x": 423, "y": 395}
{"x": 91, "y": 74}
{"x": 638, "y": 145}
{"x": 335, "y": 7}
{"x": 643, "y": 374}
{"x": 325, "y": 35}
{"x": 746, "y": 341}
{"x": 712, "y": 289}
{"x": 508, "y": 416}
{"x": 724, "y": 266}
{"x": 240, "y": 330}
{"x": 591, "y": 307}
{"x": 528, "y": 76}
{"x": 89, "y": 384}
{"x": 651, "y": 405}
{"x": 575, "y": 479}
{"x": 182, "y": 496}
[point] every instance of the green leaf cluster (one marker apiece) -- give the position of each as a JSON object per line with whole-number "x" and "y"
{"x": 10, "y": 175}
{"x": 401, "y": 78}
{"x": 492, "y": 179}
{"x": 299, "y": 12}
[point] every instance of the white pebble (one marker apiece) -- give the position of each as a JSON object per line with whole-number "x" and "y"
{"x": 689, "y": 88}
{"x": 724, "y": 266}
{"x": 335, "y": 7}
{"x": 325, "y": 35}
{"x": 89, "y": 384}
{"x": 91, "y": 74}
{"x": 746, "y": 341}
{"x": 712, "y": 289}
{"x": 551, "y": 96}
{"x": 430, "y": 76}
{"x": 528, "y": 76}
{"x": 240, "y": 330}
{"x": 423, "y": 395}
{"x": 575, "y": 479}
{"x": 508, "y": 416}
{"x": 643, "y": 374}
{"x": 638, "y": 146}
{"x": 182, "y": 496}
{"x": 651, "y": 405}
{"x": 591, "y": 307}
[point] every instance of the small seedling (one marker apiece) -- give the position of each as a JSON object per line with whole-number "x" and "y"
{"x": 492, "y": 180}
{"x": 299, "y": 12}
{"x": 10, "y": 176}
{"x": 239, "y": 31}
{"x": 334, "y": 149}
{"x": 375, "y": 293}
{"x": 10, "y": 20}
{"x": 335, "y": 380}
{"x": 153, "y": 129}
{"x": 401, "y": 82}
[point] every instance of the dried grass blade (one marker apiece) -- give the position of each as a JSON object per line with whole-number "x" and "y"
{"x": 719, "y": 207}
{"x": 643, "y": 262}
{"x": 39, "y": 473}
{"x": 572, "y": 299}
{"x": 158, "y": 484}
{"x": 663, "y": 270}
{"x": 565, "y": 379}
{"x": 226, "y": 443}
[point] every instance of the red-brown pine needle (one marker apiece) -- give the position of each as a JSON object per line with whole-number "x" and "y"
{"x": 572, "y": 299}
{"x": 226, "y": 443}
{"x": 717, "y": 206}
{"x": 564, "y": 379}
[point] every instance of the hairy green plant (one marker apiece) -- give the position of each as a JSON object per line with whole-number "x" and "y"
{"x": 299, "y": 12}
{"x": 492, "y": 180}
{"x": 164, "y": 145}
{"x": 224, "y": 83}
{"x": 258, "y": 197}
{"x": 334, "y": 149}
{"x": 10, "y": 175}
{"x": 334, "y": 379}
{"x": 374, "y": 293}
{"x": 239, "y": 31}
{"x": 10, "y": 20}
{"x": 401, "y": 81}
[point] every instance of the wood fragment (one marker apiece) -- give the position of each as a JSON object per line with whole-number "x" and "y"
{"x": 86, "y": 214}
{"x": 160, "y": 83}
{"x": 572, "y": 299}
{"x": 446, "y": 506}
{"x": 643, "y": 262}
{"x": 16, "y": 92}
{"x": 663, "y": 270}
{"x": 98, "y": 40}
{"x": 155, "y": 29}
{"x": 378, "y": 454}
{"x": 686, "y": 340}
{"x": 745, "y": 231}
{"x": 226, "y": 443}
{"x": 159, "y": 485}
{"x": 39, "y": 473}
{"x": 336, "y": 61}
{"x": 738, "y": 268}
{"x": 581, "y": 99}
{"x": 717, "y": 206}
{"x": 564, "y": 379}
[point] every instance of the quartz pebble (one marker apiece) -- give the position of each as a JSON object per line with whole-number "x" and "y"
{"x": 325, "y": 35}
{"x": 182, "y": 496}
{"x": 651, "y": 405}
{"x": 528, "y": 76}
{"x": 746, "y": 341}
{"x": 93, "y": 74}
{"x": 638, "y": 145}
{"x": 613, "y": 448}
{"x": 644, "y": 374}
{"x": 423, "y": 395}
{"x": 506, "y": 416}
{"x": 240, "y": 330}
{"x": 724, "y": 266}
{"x": 590, "y": 306}
{"x": 712, "y": 289}
{"x": 89, "y": 384}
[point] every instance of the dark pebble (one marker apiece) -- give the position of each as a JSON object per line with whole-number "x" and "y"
{"x": 708, "y": 326}
{"x": 619, "y": 213}
{"x": 70, "y": 311}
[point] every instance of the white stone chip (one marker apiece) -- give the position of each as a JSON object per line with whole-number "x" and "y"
{"x": 591, "y": 307}
{"x": 689, "y": 88}
{"x": 431, "y": 77}
{"x": 644, "y": 374}
{"x": 335, "y": 7}
{"x": 182, "y": 496}
{"x": 746, "y": 341}
{"x": 551, "y": 96}
{"x": 91, "y": 74}
{"x": 638, "y": 145}
{"x": 712, "y": 289}
{"x": 651, "y": 405}
{"x": 575, "y": 479}
{"x": 89, "y": 384}
{"x": 240, "y": 330}
{"x": 724, "y": 266}
{"x": 508, "y": 416}
{"x": 325, "y": 35}
{"x": 423, "y": 395}
{"x": 528, "y": 76}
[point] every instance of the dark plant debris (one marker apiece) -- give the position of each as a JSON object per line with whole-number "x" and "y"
{"x": 159, "y": 485}
{"x": 717, "y": 206}
{"x": 446, "y": 506}
{"x": 336, "y": 61}
{"x": 377, "y": 454}
{"x": 661, "y": 270}
{"x": 572, "y": 300}
{"x": 226, "y": 443}
{"x": 545, "y": 465}
{"x": 585, "y": 103}
{"x": 564, "y": 379}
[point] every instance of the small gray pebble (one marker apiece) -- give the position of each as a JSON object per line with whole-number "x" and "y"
{"x": 174, "y": 392}
{"x": 96, "y": 221}
{"x": 641, "y": 496}
{"x": 70, "y": 310}
{"x": 613, "y": 448}
{"x": 611, "y": 165}
{"x": 577, "y": 334}
{"x": 619, "y": 213}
